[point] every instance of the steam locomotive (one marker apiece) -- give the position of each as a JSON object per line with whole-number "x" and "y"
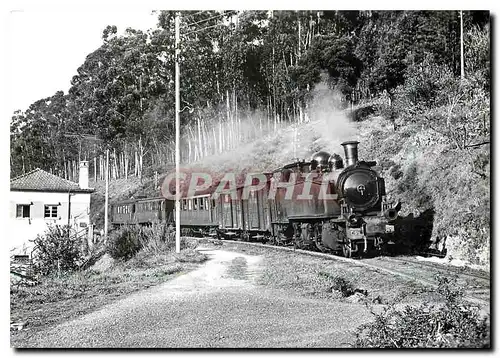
{"x": 319, "y": 204}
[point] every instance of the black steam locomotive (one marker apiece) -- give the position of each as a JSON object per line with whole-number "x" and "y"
{"x": 320, "y": 203}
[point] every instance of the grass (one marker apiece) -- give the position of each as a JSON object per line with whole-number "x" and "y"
{"x": 59, "y": 298}
{"x": 322, "y": 278}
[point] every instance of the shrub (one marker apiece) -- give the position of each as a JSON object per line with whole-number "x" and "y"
{"x": 338, "y": 283}
{"x": 58, "y": 249}
{"x": 454, "y": 324}
{"x": 158, "y": 238}
{"x": 125, "y": 242}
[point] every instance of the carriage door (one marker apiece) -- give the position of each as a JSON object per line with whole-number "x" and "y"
{"x": 253, "y": 210}
{"x": 227, "y": 211}
{"x": 211, "y": 204}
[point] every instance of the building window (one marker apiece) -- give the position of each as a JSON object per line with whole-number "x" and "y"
{"x": 50, "y": 211}
{"x": 22, "y": 211}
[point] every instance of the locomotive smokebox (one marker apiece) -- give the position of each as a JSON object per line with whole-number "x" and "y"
{"x": 351, "y": 152}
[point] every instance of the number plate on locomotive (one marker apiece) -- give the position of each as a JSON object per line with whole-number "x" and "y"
{"x": 389, "y": 228}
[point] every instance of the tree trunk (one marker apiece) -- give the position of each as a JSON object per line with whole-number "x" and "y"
{"x": 95, "y": 169}
{"x": 141, "y": 156}
{"x": 200, "y": 139}
{"x": 136, "y": 163}
{"x": 126, "y": 160}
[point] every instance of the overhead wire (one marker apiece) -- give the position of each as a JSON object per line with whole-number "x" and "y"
{"x": 210, "y": 18}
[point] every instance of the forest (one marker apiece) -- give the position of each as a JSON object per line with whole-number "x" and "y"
{"x": 237, "y": 65}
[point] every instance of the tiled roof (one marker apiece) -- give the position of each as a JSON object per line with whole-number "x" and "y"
{"x": 40, "y": 180}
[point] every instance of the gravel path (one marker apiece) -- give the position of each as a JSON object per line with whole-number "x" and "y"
{"x": 217, "y": 305}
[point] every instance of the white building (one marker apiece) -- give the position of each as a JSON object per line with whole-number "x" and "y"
{"x": 38, "y": 199}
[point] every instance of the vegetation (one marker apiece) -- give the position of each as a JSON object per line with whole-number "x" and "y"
{"x": 234, "y": 64}
{"x": 124, "y": 242}
{"x": 157, "y": 239}
{"x": 454, "y": 324}
{"x": 57, "y": 250}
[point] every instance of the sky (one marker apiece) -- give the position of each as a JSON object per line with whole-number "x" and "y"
{"x": 46, "y": 47}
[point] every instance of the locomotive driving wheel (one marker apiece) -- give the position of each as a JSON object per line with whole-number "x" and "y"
{"x": 347, "y": 249}
{"x": 320, "y": 246}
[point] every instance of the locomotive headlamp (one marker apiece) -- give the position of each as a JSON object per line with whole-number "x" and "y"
{"x": 391, "y": 214}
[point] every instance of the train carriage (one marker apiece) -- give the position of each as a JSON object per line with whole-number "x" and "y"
{"x": 153, "y": 210}
{"x": 122, "y": 213}
{"x": 198, "y": 214}
{"x": 245, "y": 214}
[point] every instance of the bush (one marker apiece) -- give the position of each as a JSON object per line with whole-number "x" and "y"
{"x": 158, "y": 238}
{"x": 125, "y": 242}
{"x": 59, "y": 249}
{"x": 338, "y": 283}
{"x": 454, "y": 324}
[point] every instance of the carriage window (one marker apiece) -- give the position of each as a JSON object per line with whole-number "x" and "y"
{"x": 184, "y": 204}
{"x": 190, "y": 204}
{"x": 202, "y": 203}
{"x": 195, "y": 204}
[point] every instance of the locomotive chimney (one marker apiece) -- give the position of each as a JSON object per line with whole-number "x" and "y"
{"x": 351, "y": 152}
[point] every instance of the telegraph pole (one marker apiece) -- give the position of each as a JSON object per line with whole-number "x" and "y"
{"x": 462, "y": 71}
{"x": 106, "y": 198}
{"x": 177, "y": 138}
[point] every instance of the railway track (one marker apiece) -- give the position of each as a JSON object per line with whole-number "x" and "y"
{"x": 478, "y": 284}
{"x": 456, "y": 270}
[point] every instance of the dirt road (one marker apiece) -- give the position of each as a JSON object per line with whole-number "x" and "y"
{"x": 217, "y": 305}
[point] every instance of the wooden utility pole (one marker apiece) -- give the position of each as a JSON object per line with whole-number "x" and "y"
{"x": 177, "y": 138}
{"x": 106, "y": 198}
{"x": 462, "y": 71}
